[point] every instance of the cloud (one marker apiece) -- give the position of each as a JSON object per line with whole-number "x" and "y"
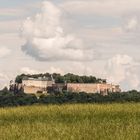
{"x": 101, "y": 7}
{"x": 12, "y": 12}
{"x": 120, "y": 70}
{"x": 13, "y": 28}
{"x": 2, "y": 76}
{"x": 47, "y": 40}
{"x": 4, "y": 80}
{"x": 51, "y": 69}
{"x": 4, "y": 52}
{"x": 116, "y": 67}
{"x": 55, "y": 70}
{"x": 48, "y": 37}
{"x": 27, "y": 70}
{"x": 132, "y": 24}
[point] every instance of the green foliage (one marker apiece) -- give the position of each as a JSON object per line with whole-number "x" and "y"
{"x": 10, "y": 99}
{"x": 90, "y": 98}
{"x": 69, "y": 78}
{"x": 19, "y": 78}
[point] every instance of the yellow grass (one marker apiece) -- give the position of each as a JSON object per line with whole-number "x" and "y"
{"x": 71, "y": 122}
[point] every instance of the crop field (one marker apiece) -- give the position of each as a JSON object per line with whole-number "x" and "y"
{"x": 71, "y": 122}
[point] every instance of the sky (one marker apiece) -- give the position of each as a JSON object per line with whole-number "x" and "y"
{"x": 85, "y": 37}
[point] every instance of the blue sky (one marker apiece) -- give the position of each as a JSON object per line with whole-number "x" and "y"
{"x": 99, "y": 37}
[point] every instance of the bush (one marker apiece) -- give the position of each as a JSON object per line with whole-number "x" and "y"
{"x": 17, "y": 100}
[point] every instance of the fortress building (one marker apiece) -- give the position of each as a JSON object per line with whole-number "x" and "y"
{"x": 101, "y": 88}
{"x": 45, "y": 85}
{"x": 36, "y": 85}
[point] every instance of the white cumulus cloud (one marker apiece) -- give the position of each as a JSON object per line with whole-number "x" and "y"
{"x": 4, "y": 51}
{"x": 132, "y": 24}
{"x": 27, "y": 70}
{"x": 119, "y": 70}
{"x": 47, "y": 40}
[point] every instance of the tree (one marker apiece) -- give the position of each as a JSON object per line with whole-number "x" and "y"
{"x": 69, "y": 78}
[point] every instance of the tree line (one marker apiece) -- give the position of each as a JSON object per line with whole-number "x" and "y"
{"x": 20, "y": 99}
{"x": 69, "y": 78}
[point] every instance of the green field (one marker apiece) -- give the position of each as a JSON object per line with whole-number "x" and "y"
{"x": 71, "y": 122}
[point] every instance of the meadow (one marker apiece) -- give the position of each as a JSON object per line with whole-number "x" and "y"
{"x": 71, "y": 122}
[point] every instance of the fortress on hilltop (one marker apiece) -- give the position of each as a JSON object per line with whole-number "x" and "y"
{"x": 48, "y": 85}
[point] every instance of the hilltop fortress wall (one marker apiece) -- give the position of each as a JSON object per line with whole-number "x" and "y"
{"x": 93, "y": 88}
{"x": 33, "y": 86}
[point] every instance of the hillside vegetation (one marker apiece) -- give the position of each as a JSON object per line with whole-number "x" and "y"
{"x": 69, "y": 78}
{"x": 71, "y": 122}
{"x": 20, "y": 99}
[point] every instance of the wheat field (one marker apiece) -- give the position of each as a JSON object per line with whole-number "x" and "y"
{"x": 71, "y": 122}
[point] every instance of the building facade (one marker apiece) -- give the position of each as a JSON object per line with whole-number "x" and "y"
{"x": 101, "y": 88}
{"x": 36, "y": 85}
{"x": 44, "y": 85}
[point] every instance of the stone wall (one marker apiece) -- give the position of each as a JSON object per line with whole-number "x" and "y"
{"x": 89, "y": 88}
{"x": 33, "y": 86}
{"x": 93, "y": 88}
{"x": 35, "y": 83}
{"x": 32, "y": 90}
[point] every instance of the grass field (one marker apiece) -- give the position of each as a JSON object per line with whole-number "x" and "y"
{"x": 71, "y": 122}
